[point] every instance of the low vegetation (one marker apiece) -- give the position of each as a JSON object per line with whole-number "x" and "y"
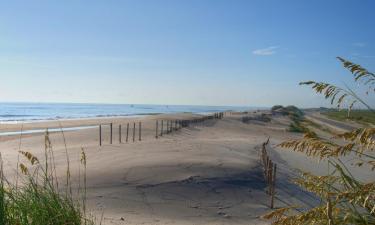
{"x": 344, "y": 198}
{"x": 35, "y": 198}
{"x": 290, "y": 110}
{"x": 262, "y": 118}
{"x": 360, "y": 116}
{"x": 295, "y": 114}
{"x": 311, "y": 124}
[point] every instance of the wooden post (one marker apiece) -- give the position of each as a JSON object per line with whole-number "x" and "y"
{"x": 264, "y": 159}
{"x": 265, "y": 162}
{"x": 127, "y": 132}
{"x": 265, "y": 165}
{"x": 119, "y": 133}
{"x": 175, "y": 125}
{"x": 266, "y": 168}
{"x": 270, "y": 168}
{"x": 273, "y": 186}
{"x": 133, "y": 132}
{"x": 161, "y": 130}
{"x": 140, "y": 131}
{"x": 100, "y": 135}
{"x": 156, "y": 129}
{"x": 111, "y": 131}
{"x": 167, "y": 126}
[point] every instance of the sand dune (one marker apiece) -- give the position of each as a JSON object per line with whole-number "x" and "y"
{"x": 208, "y": 173}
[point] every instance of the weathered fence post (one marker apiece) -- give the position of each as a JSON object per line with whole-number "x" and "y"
{"x": 133, "y": 131}
{"x": 140, "y": 131}
{"x": 111, "y": 133}
{"x": 127, "y": 132}
{"x": 266, "y": 168}
{"x": 269, "y": 172}
{"x": 269, "y": 178}
{"x": 273, "y": 185}
{"x": 156, "y": 129}
{"x": 167, "y": 126}
{"x": 161, "y": 130}
{"x": 100, "y": 135}
{"x": 119, "y": 133}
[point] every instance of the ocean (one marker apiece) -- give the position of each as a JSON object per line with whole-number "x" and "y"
{"x": 24, "y": 112}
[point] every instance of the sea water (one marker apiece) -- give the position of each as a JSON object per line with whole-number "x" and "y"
{"x": 24, "y": 112}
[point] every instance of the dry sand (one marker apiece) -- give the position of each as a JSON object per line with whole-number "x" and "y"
{"x": 208, "y": 173}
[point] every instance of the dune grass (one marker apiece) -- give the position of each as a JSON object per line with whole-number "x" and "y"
{"x": 344, "y": 197}
{"x": 37, "y": 199}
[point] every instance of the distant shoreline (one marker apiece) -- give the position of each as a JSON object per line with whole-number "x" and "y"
{"x": 17, "y": 113}
{"x": 76, "y": 119}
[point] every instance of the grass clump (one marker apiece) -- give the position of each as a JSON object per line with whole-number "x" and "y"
{"x": 37, "y": 199}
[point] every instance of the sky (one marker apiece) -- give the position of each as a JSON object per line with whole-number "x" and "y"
{"x": 185, "y": 52}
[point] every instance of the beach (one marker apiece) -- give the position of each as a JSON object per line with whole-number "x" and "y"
{"x": 206, "y": 173}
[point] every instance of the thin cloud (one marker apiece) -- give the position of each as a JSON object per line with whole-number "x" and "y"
{"x": 366, "y": 56}
{"x": 266, "y": 51}
{"x": 359, "y": 44}
{"x": 357, "y": 55}
{"x": 109, "y": 59}
{"x": 22, "y": 63}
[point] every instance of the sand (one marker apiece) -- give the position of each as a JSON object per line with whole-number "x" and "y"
{"x": 209, "y": 173}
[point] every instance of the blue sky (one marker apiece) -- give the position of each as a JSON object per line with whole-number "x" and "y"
{"x": 200, "y": 52}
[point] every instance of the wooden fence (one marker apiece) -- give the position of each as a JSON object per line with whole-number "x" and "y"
{"x": 269, "y": 172}
{"x": 162, "y": 127}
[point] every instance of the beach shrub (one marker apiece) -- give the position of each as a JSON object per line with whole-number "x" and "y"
{"x": 295, "y": 115}
{"x": 293, "y": 110}
{"x": 262, "y": 118}
{"x": 287, "y": 111}
{"x": 276, "y": 107}
{"x": 344, "y": 198}
{"x": 297, "y": 127}
{"x": 36, "y": 198}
